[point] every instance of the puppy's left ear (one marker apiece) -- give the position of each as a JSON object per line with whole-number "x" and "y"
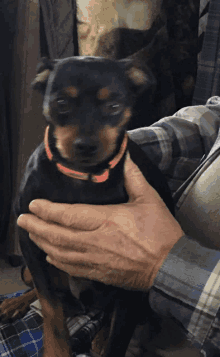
{"x": 44, "y": 69}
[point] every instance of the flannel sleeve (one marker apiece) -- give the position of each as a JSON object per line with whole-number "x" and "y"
{"x": 187, "y": 288}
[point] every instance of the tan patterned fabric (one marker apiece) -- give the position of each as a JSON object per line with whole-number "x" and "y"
{"x": 98, "y": 18}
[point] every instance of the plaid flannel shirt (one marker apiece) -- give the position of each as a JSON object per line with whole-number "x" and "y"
{"x": 187, "y": 287}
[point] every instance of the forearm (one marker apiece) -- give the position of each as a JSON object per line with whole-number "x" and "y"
{"x": 187, "y": 289}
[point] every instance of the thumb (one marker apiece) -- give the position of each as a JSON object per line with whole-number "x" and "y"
{"x": 136, "y": 185}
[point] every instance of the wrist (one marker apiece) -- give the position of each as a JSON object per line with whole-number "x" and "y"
{"x": 163, "y": 261}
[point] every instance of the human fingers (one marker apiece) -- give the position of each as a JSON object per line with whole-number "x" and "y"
{"x": 48, "y": 235}
{"x": 105, "y": 269}
{"x": 78, "y": 216}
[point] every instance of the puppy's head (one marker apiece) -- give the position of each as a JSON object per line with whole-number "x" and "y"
{"x": 88, "y": 101}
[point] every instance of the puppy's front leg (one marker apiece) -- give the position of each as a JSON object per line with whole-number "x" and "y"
{"x": 56, "y": 335}
{"x": 52, "y": 287}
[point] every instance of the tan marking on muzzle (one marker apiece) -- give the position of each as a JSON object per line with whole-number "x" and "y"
{"x": 125, "y": 118}
{"x": 72, "y": 91}
{"x": 108, "y": 137}
{"x": 65, "y": 137}
{"x": 103, "y": 93}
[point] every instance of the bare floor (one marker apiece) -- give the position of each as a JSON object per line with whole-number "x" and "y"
{"x": 10, "y": 280}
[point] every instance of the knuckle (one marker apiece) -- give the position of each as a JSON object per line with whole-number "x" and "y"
{"x": 56, "y": 239}
{"x": 66, "y": 216}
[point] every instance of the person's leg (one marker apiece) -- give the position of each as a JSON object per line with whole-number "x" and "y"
{"x": 22, "y": 337}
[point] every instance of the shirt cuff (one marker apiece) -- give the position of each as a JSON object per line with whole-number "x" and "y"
{"x": 187, "y": 288}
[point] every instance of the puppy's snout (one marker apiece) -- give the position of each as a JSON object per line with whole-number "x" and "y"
{"x": 85, "y": 147}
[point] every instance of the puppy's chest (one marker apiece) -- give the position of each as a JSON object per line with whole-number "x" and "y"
{"x": 77, "y": 191}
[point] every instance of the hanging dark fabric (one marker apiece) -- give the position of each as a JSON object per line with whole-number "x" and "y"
{"x": 208, "y": 75}
{"x": 8, "y": 11}
{"x": 5, "y": 170}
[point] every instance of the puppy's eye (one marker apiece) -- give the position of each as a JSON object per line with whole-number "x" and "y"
{"x": 63, "y": 106}
{"x": 112, "y": 108}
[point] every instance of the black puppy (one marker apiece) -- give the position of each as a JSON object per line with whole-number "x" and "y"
{"x": 87, "y": 104}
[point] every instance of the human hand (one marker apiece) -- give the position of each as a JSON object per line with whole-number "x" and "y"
{"x": 122, "y": 245}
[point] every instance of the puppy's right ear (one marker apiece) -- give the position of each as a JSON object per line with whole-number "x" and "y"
{"x": 43, "y": 71}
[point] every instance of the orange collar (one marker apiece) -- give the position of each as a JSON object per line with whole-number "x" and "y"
{"x": 82, "y": 175}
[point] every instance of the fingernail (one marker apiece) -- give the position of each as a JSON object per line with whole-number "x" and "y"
{"x": 48, "y": 259}
{"x": 20, "y": 220}
{"x": 33, "y": 206}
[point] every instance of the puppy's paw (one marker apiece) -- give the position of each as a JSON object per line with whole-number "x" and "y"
{"x": 15, "y": 308}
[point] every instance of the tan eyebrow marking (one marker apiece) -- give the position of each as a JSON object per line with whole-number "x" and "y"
{"x": 71, "y": 91}
{"x": 64, "y": 140}
{"x": 103, "y": 93}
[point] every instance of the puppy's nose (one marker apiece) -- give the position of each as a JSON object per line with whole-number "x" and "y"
{"x": 85, "y": 147}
